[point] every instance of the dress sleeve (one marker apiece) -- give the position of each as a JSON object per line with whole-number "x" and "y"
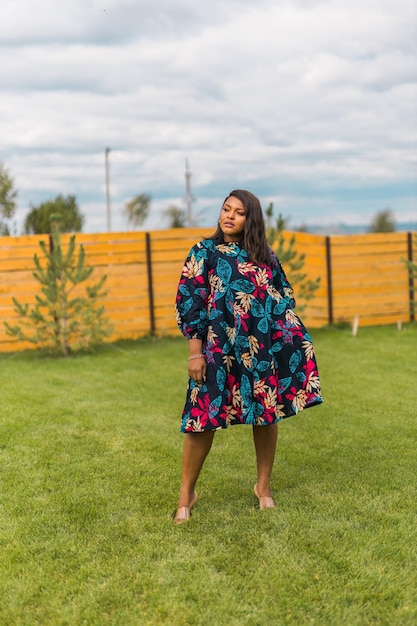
{"x": 281, "y": 282}
{"x": 192, "y": 295}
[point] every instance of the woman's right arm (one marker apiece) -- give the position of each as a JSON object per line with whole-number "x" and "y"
{"x": 191, "y": 309}
{"x": 196, "y": 361}
{"x": 192, "y": 295}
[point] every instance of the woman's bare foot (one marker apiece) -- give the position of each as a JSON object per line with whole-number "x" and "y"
{"x": 183, "y": 513}
{"x": 265, "y": 502}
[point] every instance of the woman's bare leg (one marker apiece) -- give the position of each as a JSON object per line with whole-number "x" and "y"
{"x": 196, "y": 448}
{"x": 265, "y": 439}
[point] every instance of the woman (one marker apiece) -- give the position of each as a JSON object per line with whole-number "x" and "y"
{"x": 251, "y": 360}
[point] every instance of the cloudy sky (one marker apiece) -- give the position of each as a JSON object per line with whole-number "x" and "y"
{"x": 310, "y": 104}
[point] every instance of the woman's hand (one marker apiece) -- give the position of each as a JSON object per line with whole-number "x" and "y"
{"x": 196, "y": 361}
{"x": 197, "y": 370}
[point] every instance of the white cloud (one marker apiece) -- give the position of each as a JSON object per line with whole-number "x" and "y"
{"x": 302, "y": 101}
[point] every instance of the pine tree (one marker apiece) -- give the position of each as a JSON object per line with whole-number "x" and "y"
{"x": 177, "y": 217}
{"x": 63, "y": 210}
{"x": 7, "y": 200}
{"x": 292, "y": 260}
{"x": 383, "y": 222}
{"x": 61, "y": 321}
{"x": 137, "y": 209}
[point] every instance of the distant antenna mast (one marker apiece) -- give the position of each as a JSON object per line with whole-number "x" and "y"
{"x": 188, "y": 196}
{"x": 108, "y": 207}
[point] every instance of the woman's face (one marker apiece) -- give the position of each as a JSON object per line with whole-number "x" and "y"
{"x": 232, "y": 219}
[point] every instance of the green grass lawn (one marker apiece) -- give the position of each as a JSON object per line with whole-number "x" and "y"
{"x": 90, "y": 460}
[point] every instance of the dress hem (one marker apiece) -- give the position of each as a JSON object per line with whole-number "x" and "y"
{"x": 316, "y": 402}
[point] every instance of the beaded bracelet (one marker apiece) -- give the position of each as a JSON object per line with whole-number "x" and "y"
{"x": 196, "y": 356}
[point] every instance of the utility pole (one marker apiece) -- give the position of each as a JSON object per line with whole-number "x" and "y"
{"x": 106, "y": 159}
{"x": 188, "y": 196}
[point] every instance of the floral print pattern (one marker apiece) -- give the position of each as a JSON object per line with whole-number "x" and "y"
{"x": 261, "y": 365}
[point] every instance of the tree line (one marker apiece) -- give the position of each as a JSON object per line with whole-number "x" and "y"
{"x": 66, "y": 211}
{"x": 39, "y": 218}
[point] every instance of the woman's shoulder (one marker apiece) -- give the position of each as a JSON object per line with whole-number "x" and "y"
{"x": 203, "y": 248}
{"x": 208, "y": 244}
{"x": 274, "y": 258}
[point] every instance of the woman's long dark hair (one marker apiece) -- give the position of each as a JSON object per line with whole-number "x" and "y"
{"x": 254, "y": 239}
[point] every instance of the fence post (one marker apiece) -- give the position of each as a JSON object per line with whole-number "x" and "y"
{"x": 410, "y": 275}
{"x": 329, "y": 281}
{"x": 150, "y": 282}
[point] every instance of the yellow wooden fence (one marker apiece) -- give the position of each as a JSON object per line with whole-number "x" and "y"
{"x": 360, "y": 275}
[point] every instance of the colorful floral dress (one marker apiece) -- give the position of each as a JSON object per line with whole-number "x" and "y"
{"x": 260, "y": 359}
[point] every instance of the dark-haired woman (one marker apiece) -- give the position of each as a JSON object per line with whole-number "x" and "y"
{"x": 251, "y": 360}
